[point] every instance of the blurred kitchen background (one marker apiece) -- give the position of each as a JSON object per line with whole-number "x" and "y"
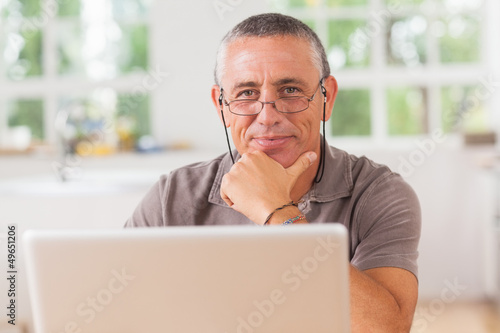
{"x": 100, "y": 97}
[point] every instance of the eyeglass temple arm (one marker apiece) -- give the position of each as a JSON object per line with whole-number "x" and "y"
{"x": 321, "y": 166}
{"x": 224, "y": 123}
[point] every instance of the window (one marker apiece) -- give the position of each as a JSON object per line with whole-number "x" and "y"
{"x": 83, "y": 61}
{"x": 405, "y": 67}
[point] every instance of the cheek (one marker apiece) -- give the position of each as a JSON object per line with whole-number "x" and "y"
{"x": 308, "y": 126}
{"x": 239, "y": 126}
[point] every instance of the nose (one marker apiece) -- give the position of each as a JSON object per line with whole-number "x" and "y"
{"x": 269, "y": 115}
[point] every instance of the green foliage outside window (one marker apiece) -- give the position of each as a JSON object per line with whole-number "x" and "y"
{"x": 460, "y": 41}
{"x": 348, "y": 46}
{"x": 310, "y": 23}
{"x": 135, "y": 46}
{"x": 27, "y": 113}
{"x": 462, "y": 110}
{"x": 406, "y": 110}
{"x": 132, "y": 114}
{"x": 407, "y": 41}
{"x": 351, "y": 113}
{"x": 346, "y": 3}
{"x": 70, "y": 45}
{"x": 126, "y": 54}
{"x": 302, "y": 3}
{"x": 30, "y": 57}
{"x": 119, "y": 47}
{"x": 69, "y": 8}
{"x": 29, "y": 8}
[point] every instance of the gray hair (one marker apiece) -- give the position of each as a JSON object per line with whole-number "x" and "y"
{"x": 272, "y": 25}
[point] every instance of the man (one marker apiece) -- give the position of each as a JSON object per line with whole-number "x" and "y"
{"x": 273, "y": 89}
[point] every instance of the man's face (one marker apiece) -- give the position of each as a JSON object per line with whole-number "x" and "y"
{"x": 267, "y": 69}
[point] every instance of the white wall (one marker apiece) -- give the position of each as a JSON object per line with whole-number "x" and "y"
{"x": 185, "y": 36}
{"x": 493, "y": 54}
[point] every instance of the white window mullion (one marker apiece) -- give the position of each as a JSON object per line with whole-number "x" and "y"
{"x": 322, "y": 23}
{"x": 379, "y": 114}
{"x": 321, "y": 29}
{"x": 490, "y": 55}
{"x": 432, "y": 42}
{"x": 378, "y": 57}
{"x": 434, "y": 119}
{"x": 50, "y": 60}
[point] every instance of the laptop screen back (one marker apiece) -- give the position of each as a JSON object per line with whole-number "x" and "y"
{"x": 216, "y": 279}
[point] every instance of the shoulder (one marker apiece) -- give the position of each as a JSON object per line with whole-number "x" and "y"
{"x": 379, "y": 180}
{"x": 361, "y": 171}
{"x": 351, "y": 172}
{"x": 386, "y": 217}
{"x": 374, "y": 190}
{"x": 379, "y": 188}
{"x": 195, "y": 176}
{"x": 180, "y": 197}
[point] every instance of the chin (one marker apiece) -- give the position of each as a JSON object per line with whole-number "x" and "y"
{"x": 286, "y": 160}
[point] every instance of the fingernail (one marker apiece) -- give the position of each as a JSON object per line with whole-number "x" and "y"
{"x": 312, "y": 157}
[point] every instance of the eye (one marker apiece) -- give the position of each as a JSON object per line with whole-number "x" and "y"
{"x": 291, "y": 91}
{"x": 246, "y": 94}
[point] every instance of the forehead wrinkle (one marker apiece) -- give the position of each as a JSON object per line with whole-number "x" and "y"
{"x": 288, "y": 80}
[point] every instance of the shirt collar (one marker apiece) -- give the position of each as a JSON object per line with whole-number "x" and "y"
{"x": 337, "y": 180}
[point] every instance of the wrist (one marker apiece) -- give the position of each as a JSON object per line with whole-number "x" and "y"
{"x": 290, "y": 214}
{"x": 280, "y": 208}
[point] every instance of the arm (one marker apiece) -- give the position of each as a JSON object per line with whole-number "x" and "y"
{"x": 148, "y": 212}
{"x": 382, "y": 299}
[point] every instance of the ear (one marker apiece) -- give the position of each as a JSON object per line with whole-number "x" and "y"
{"x": 330, "y": 84}
{"x": 218, "y": 106}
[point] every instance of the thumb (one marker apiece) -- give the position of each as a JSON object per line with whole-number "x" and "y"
{"x": 302, "y": 164}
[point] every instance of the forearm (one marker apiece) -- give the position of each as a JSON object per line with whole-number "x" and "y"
{"x": 374, "y": 308}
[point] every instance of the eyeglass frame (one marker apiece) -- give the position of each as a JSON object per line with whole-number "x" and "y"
{"x": 309, "y": 100}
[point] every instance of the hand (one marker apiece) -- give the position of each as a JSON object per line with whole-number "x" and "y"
{"x": 256, "y": 184}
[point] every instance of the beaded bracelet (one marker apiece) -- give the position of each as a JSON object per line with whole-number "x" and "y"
{"x": 291, "y": 203}
{"x": 294, "y": 219}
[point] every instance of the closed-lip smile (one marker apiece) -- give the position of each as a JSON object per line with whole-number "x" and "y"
{"x": 272, "y": 142}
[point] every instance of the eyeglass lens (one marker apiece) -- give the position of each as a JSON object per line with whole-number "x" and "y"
{"x": 285, "y": 105}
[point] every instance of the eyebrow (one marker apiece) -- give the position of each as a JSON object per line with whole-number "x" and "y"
{"x": 253, "y": 84}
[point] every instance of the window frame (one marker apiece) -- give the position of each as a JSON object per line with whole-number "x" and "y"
{"x": 50, "y": 86}
{"x": 378, "y": 76}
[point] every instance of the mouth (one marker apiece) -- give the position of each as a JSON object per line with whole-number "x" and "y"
{"x": 270, "y": 143}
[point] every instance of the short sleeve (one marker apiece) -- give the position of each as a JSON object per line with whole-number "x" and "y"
{"x": 149, "y": 211}
{"x": 388, "y": 225}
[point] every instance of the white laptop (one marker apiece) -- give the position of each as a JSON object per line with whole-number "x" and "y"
{"x": 212, "y": 279}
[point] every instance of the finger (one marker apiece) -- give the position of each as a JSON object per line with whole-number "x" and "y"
{"x": 302, "y": 164}
{"x": 223, "y": 193}
{"x": 226, "y": 199}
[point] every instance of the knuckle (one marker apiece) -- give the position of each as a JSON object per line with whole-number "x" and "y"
{"x": 225, "y": 181}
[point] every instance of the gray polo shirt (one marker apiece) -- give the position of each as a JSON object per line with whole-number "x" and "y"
{"x": 378, "y": 207}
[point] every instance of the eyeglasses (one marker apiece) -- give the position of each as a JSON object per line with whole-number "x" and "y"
{"x": 246, "y": 107}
